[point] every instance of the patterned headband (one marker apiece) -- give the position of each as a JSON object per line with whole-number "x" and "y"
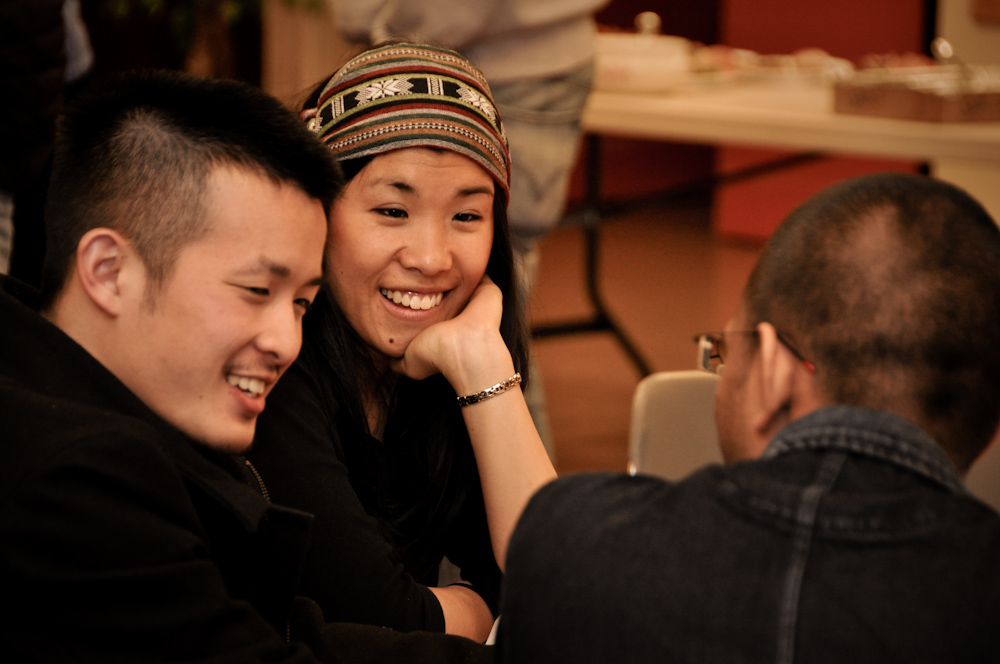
{"x": 411, "y": 95}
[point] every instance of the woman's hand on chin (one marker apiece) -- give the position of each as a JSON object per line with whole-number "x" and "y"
{"x": 467, "y": 349}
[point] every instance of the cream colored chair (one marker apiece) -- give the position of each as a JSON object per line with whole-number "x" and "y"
{"x": 673, "y": 432}
{"x": 673, "y": 424}
{"x": 983, "y": 479}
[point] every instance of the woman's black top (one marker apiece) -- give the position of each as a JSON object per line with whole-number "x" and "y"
{"x": 359, "y": 568}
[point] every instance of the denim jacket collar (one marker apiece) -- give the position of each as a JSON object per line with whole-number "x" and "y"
{"x": 872, "y": 433}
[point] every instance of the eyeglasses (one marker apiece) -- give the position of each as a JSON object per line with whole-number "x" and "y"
{"x": 712, "y": 350}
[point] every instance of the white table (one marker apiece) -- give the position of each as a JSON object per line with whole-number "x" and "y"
{"x": 798, "y": 115}
{"x": 773, "y": 113}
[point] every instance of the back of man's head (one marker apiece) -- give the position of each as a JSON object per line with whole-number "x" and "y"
{"x": 134, "y": 155}
{"x": 890, "y": 284}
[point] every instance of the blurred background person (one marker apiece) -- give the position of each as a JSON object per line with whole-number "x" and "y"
{"x": 45, "y": 57}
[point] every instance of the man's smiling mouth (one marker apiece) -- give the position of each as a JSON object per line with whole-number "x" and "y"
{"x": 415, "y": 301}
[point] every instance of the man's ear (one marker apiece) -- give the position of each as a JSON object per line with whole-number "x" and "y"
{"x": 776, "y": 380}
{"x": 100, "y": 257}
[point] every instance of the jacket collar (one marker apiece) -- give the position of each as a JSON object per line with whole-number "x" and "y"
{"x": 871, "y": 433}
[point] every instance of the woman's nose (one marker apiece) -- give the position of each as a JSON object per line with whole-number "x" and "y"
{"x": 427, "y": 250}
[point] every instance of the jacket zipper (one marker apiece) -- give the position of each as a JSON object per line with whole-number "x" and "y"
{"x": 263, "y": 491}
{"x": 260, "y": 480}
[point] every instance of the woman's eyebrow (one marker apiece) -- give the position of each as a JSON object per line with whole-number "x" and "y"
{"x": 402, "y": 186}
{"x": 406, "y": 187}
{"x": 472, "y": 191}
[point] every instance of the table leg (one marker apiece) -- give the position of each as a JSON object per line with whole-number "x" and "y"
{"x": 601, "y": 320}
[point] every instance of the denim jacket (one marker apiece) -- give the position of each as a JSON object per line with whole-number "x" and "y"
{"x": 836, "y": 433}
{"x": 851, "y": 540}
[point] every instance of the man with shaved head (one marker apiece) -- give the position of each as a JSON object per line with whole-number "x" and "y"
{"x": 862, "y": 379}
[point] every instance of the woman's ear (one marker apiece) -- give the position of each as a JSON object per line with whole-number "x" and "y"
{"x": 776, "y": 380}
{"x": 100, "y": 256}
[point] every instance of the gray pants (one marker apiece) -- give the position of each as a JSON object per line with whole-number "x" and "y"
{"x": 542, "y": 121}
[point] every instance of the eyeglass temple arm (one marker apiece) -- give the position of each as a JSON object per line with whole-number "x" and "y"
{"x": 809, "y": 365}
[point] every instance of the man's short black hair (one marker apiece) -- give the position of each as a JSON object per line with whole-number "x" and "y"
{"x": 890, "y": 284}
{"x": 135, "y": 153}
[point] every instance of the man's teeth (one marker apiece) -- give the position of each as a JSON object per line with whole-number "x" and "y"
{"x": 252, "y": 386}
{"x": 412, "y": 300}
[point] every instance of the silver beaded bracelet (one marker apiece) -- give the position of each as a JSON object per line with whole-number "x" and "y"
{"x": 502, "y": 386}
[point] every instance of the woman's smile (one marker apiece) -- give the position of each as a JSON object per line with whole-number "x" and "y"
{"x": 411, "y": 300}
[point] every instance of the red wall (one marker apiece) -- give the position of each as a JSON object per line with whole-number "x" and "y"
{"x": 849, "y": 29}
{"x": 844, "y": 28}
{"x": 633, "y": 169}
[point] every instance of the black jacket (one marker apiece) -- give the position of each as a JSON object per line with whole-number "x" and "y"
{"x": 851, "y": 540}
{"x": 122, "y": 540}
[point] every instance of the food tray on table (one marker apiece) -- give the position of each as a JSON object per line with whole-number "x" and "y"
{"x": 930, "y": 94}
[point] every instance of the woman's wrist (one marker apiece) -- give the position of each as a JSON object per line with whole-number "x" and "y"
{"x": 479, "y": 364}
{"x": 491, "y": 391}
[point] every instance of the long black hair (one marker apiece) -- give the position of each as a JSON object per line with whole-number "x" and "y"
{"x": 422, "y": 474}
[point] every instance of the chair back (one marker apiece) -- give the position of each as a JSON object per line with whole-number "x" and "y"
{"x": 672, "y": 431}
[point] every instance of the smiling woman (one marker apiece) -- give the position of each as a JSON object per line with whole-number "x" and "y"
{"x": 420, "y": 307}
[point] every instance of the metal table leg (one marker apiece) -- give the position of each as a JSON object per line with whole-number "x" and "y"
{"x": 601, "y": 320}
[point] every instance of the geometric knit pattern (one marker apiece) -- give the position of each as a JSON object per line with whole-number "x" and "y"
{"x": 411, "y": 95}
